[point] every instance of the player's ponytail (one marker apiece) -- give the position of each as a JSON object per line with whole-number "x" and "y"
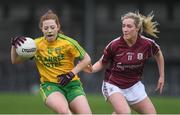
{"x": 147, "y": 25}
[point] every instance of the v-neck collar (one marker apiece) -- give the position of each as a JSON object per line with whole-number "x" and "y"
{"x": 138, "y": 38}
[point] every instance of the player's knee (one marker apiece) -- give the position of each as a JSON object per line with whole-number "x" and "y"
{"x": 63, "y": 111}
{"x": 123, "y": 111}
{"x": 151, "y": 110}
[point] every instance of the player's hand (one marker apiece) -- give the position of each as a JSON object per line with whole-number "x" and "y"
{"x": 64, "y": 79}
{"x": 88, "y": 69}
{"x": 17, "y": 41}
{"x": 160, "y": 84}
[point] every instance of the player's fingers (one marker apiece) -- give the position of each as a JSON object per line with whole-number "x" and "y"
{"x": 21, "y": 40}
{"x": 13, "y": 41}
{"x": 63, "y": 83}
{"x": 158, "y": 86}
{"x": 59, "y": 80}
{"x": 18, "y": 44}
{"x": 15, "y": 45}
{"x": 62, "y": 80}
{"x": 66, "y": 83}
{"x": 16, "y": 38}
{"x": 161, "y": 88}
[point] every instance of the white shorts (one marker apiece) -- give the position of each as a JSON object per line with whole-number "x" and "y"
{"x": 133, "y": 94}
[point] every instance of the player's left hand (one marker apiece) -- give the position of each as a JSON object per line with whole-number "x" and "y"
{"x": 160, "y": 84}
{"x": 64, "y": 79}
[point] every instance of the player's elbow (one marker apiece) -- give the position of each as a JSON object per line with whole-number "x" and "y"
{"x": 88, "y": 59}
{"x": 13, "y": 62}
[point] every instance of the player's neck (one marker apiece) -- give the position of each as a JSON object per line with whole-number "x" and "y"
{"x": 131, "y": 42}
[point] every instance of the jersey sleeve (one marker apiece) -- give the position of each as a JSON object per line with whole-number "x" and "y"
{"x": 107, "y": 54}
{"x": 154, "y": 48}
{"x": 76, "y": 49}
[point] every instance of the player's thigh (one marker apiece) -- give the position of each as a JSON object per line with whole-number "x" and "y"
{"x": 119, "y": 103}
{"x": 54, "y": 97}
{"x": 80, "y": 105}
{"x": 77, "y": 98}
{"x": 144, "y": 107}
{"x": 115, "y": 96}
{"x": 58, "y": 103}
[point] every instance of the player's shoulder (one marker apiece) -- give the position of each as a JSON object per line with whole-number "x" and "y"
{"x": 114, "y": 42}
{"x": 146, "y": 39}
{"x": 38, "y": 39}
{"x": 67, "y": 39}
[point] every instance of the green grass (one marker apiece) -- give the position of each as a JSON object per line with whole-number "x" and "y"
{"x": 33, "y": 104}
{"x": 22, "y": 103}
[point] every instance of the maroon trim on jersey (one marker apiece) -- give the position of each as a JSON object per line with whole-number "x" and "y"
{"x": 126, "y": 63}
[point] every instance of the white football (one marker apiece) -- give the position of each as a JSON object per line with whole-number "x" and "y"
{"x": 27, "y": 49}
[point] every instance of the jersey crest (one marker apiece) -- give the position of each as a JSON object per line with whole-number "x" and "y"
{"x": 58, "y": 50}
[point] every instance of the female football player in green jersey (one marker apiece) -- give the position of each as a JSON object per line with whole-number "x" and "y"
{"x": 60, "y": 85}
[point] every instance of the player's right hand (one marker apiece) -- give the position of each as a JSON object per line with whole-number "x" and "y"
{"x": 17, "y": 41}
{"x": 64, "y": 79}
{"x": 88, "y": 69}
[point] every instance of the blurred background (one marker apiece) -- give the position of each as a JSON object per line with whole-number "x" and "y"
{"x": 93, "y": 23}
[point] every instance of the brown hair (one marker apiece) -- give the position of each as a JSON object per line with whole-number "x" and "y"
{"x": 49, "y": 15}
{"x": 145, "y": 23}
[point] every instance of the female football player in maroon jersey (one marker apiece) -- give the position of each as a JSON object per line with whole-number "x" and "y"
{"x": 124, "y": 59}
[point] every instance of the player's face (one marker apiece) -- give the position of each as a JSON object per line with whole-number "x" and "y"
{"x": 130, "y": 31}
{"x": 50, "y": 29}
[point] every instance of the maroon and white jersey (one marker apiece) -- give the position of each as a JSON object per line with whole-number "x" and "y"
{"x": 126, "y": 63}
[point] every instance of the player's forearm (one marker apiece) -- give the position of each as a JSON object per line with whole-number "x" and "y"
{"x": 88, "y": 68}
{"x": 97, "y": 66}
{"x": 14, "y": 57}
{"x": 160, "y": 61}
{"x": 82, "y": 64}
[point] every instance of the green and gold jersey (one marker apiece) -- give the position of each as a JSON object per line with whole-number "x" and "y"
{"x": 55, "y": 58}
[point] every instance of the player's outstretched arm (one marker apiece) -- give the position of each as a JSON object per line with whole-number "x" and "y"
{"x": 64, "y": 79}
{"x": 88, "y": 68}
{"x": 95, "y": 68}
{"x": 160, "y": 62}
{"x": 82, "y": 64}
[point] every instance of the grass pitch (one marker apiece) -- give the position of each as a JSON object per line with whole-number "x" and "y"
{"x": 13, "y": 103}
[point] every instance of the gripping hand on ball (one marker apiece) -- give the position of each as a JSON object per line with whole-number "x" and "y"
{"x": 17, "y": 41}
{"x": 64, "y": 79}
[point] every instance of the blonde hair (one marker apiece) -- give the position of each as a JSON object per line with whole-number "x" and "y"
{"x": 145, "y": 23}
